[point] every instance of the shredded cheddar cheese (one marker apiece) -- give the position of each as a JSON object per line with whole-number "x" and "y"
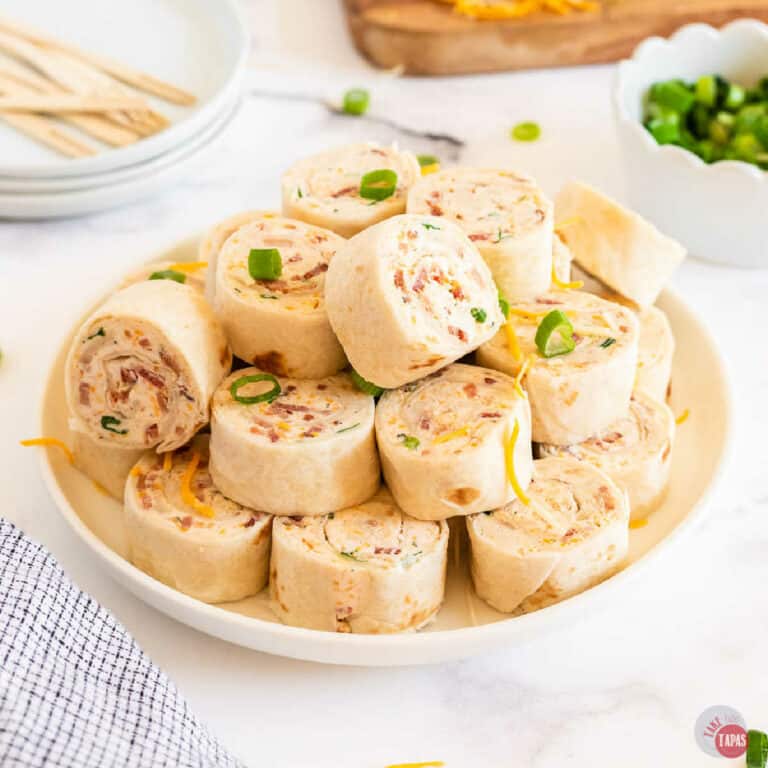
{"x": 683, "y": 417}
{"x": 572, "y": 286}
{"x": 100, "y": 488}
{"x": 509, "y": 460}
{"x": 521, "y": 375}
{"x": 527, "y": 314}
{"x": 430, "y": 764}
{"x": 189, "y": 266}
{"x": 634, "y": 524}
{"x": 187, "y": 496}
{"x": 431, "y": 168}
{"x": 135, "y": 471}
{"x": 50, "y": 442}
{"x": 446, "y": 436}
{"x": 567, "y": 222}
{"x": 512, "y": 344}
{"x": 168, "y": 461}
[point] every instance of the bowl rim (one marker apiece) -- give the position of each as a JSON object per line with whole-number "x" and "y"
{"x": 672, "y": 151}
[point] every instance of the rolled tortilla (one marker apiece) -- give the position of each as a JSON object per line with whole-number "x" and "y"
{"x": 366, "y": 569}
{"x": 505, "y": 214}
{"x": 142, "y": 368}
{"x": 210, "y": 245}
{"x": 561, "y": 260}
{"x": 189, "y": 273}
{"x": 279, "y": 325}
{"x": 106, "y": 465}
{"x": 615, "y": 244}
{"x": 325, "y": 189}
{"x": 308, "y": 452}
{"x": 183, "y": 532}
{"x": 443, "y": 442}
{"x": 635, "y": 452}
{"x": 572, "y": 534}
{"x": 409, "y": 296}
{"x": 575, "y": 395}
{"x": 657, "y": 349}
{"x": 656, "y": 344}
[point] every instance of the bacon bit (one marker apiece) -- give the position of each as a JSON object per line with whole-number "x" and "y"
{"x": 293, "y": 259}
{"x": 186, "y": 522}
{"x": 322, "y": 387}
{"x": 420, "y": 282}
{"x": 144, "y": 342}
{"x": 313, "y": 431}
{"x": 85, "y": 393}
{"x": 399, "y": 280}
{"x": 548, "y": 301}
{"x": 457, "y": 292}
{"x": 458, "y": 332}
{"x": 611, "y": 437}
{"x": 315, "y": 271}
{"x": 128, "y": 376}
{"x": 434, "y": 209}
{"x": 377, "y": 151}
{"x": 489, "y": 380}
{"x": 308, "y": 417}
{"x": 387, "y": 551}
{"x": 152, "y": 378}
{"x": 576, "y": 338}
{"x": 411, "y": 234}
{"x": 345, "y": 191}
{"x": 250, "y": 523}
{"x": 490, "y": 415}
{"x": 570, "y": 532}
{"x": 478, "y": 236}
{"x": 471, "y": 389}
{"x": 169, "y": 361}
{"x": 605, "y": 496}
{"x": 151, "y": 433}
{"x": 273, "y": 436}
{"x": 288, "y": 408}
{"x": 425, "y": 423}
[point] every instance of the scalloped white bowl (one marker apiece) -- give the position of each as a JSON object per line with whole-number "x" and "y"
{"x": 717, "y": 211}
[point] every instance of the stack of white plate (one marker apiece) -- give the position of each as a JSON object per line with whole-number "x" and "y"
{"x": 198, "y": 45}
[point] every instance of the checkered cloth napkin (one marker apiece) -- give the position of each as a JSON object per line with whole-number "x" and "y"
{"x": 75, "y": 688}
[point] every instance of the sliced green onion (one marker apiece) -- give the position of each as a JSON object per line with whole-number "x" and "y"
{"x": 346, "y": 429}
{"x": 608, "y": 342}
{"x": 265, "y": 264}
{"x": 409, "y": 441}
{"x": 169, "y": 274}
{"x": 364, "y": 385}
{"x": 672, "y": 94}
{"x": 427, "y": 225}
{"x": 352, "y": 556}
{"x": 379, "y": 184}
{"x": 356, "y": 101}
{"x": 264, "y": 397}
{"x": 480, "y": 315}
{"x": 426, "y": 160}
{"x": 503, "y": 306}
{"x": 267, "y": 296}
{"x": 554, "y": 336}
{"x": 526, "y": 131}
{"x": 100, "y": 332}
{"x": 110, "y": 423}
{"x": 757, "y": 749}
{"x": 706, "y": 90}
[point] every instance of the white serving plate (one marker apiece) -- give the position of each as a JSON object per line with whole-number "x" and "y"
{"x": 199, "y": 45}
{"x": 124, "y": 186}
{"x": 465, "y": 625}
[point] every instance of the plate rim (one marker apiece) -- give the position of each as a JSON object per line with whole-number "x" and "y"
{"x": 174, "y": 135}
{"x": 384, "y": 649}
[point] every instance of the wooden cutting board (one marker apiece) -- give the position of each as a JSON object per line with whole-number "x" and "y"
{"x": 427, "y": 38}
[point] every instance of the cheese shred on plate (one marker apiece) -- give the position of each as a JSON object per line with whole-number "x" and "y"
{"x": 574, "y": 285}
{"x": 50, "y": 442}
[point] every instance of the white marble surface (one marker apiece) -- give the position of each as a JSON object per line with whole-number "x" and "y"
{"x": 622, "y": 687}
